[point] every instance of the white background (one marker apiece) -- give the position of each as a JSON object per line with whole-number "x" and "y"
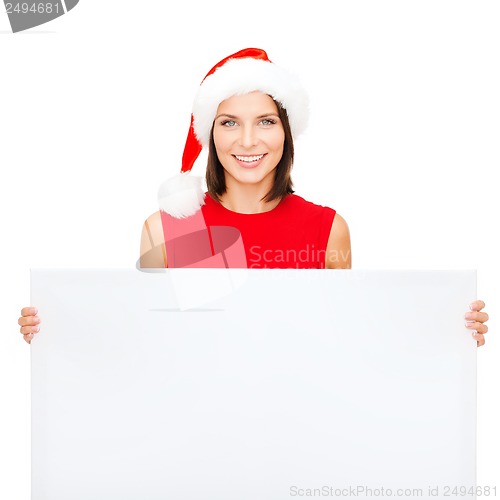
{"x": 403, "y": 143}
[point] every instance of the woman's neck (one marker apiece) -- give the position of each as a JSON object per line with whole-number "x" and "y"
{"x": 246, "y": 199}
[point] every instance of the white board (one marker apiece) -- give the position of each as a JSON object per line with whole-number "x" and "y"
{"x": 295, "y": 381}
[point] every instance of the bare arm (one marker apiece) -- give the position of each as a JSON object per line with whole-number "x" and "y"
{"x": 153, "y": 253}
{"x": 338, "y": 249}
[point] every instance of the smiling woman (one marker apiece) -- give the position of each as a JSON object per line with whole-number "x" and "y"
{"x": 248, "y": 111}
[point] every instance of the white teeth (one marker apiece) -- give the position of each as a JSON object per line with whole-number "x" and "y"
{"x": 249, "y": 158}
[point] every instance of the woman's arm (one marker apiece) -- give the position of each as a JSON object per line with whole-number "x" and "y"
{"x": 153, "y": 253}
{"x": 338, "y": 248}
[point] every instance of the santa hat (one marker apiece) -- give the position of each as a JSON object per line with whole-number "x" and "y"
{"x": 241, "y": 73}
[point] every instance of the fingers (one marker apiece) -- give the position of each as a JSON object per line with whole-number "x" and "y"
{"x": 476, "y": 320}
{"x": 477, "y": 305}
{"x": 476, "y": 325}
{"x": 28, "y": 316}
{"x": 29, "y": 333}
{"x": 29, "y": 311}
{"x": 480, "y": 339}
{"x": 477, "y": 316}
{"x": 29, "y": 323}
{"x": 26, "y": 330}
{"x": 28, "y": 338}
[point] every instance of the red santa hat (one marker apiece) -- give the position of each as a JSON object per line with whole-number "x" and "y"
{"x": 241, "y": 73}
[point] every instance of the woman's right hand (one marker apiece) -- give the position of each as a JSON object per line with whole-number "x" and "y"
{"x": 29, "y": 322}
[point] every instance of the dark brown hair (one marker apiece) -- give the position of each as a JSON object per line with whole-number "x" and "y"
{"x": 216, "y": 183}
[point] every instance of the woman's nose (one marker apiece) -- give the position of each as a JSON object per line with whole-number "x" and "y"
{"x": 248, "y": 137}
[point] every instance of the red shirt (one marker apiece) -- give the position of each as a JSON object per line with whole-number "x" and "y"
{"x": 294, "y": 234}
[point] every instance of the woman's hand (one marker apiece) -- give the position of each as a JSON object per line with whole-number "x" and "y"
{"x": 29, "y": 322}
{"x": 475, "y": 321}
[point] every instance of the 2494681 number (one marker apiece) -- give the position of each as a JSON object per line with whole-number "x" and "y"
{"x": 35, "y": 8}
{"x": 473, "y": 491}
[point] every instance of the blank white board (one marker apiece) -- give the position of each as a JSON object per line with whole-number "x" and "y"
{"x": 274, "y": 384}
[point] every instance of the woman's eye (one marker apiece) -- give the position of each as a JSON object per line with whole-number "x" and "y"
{"x": 267, "y": 121}
{"x": 229, "y": 123}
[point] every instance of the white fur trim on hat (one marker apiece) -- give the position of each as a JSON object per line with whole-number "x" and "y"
{"x": 182, "y": 195}
{"x": 242, "y": 76}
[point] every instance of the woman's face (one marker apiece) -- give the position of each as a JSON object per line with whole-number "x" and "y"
{"x": 249, "y": 137}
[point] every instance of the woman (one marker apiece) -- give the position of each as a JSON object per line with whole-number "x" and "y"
{"x": 247, "y": 111}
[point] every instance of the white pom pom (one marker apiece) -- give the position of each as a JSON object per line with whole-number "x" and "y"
{"x": 182, "y": 195}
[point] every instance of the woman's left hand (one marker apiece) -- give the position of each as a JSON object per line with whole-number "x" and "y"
{"x": 475, "y": 321}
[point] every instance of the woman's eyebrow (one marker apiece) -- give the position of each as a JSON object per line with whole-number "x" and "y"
{"x": 269, "y": 114}
{"x": 225, "y": 114}
{"x": 233, "y": 117}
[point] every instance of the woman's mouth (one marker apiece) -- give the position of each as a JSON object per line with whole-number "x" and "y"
{"x": 249, "y": 161}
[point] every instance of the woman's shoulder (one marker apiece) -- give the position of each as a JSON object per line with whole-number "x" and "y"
{"x": 154, "y": 221}
{"x": 338, "y": 224}
{"x": 300, "y": 203}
